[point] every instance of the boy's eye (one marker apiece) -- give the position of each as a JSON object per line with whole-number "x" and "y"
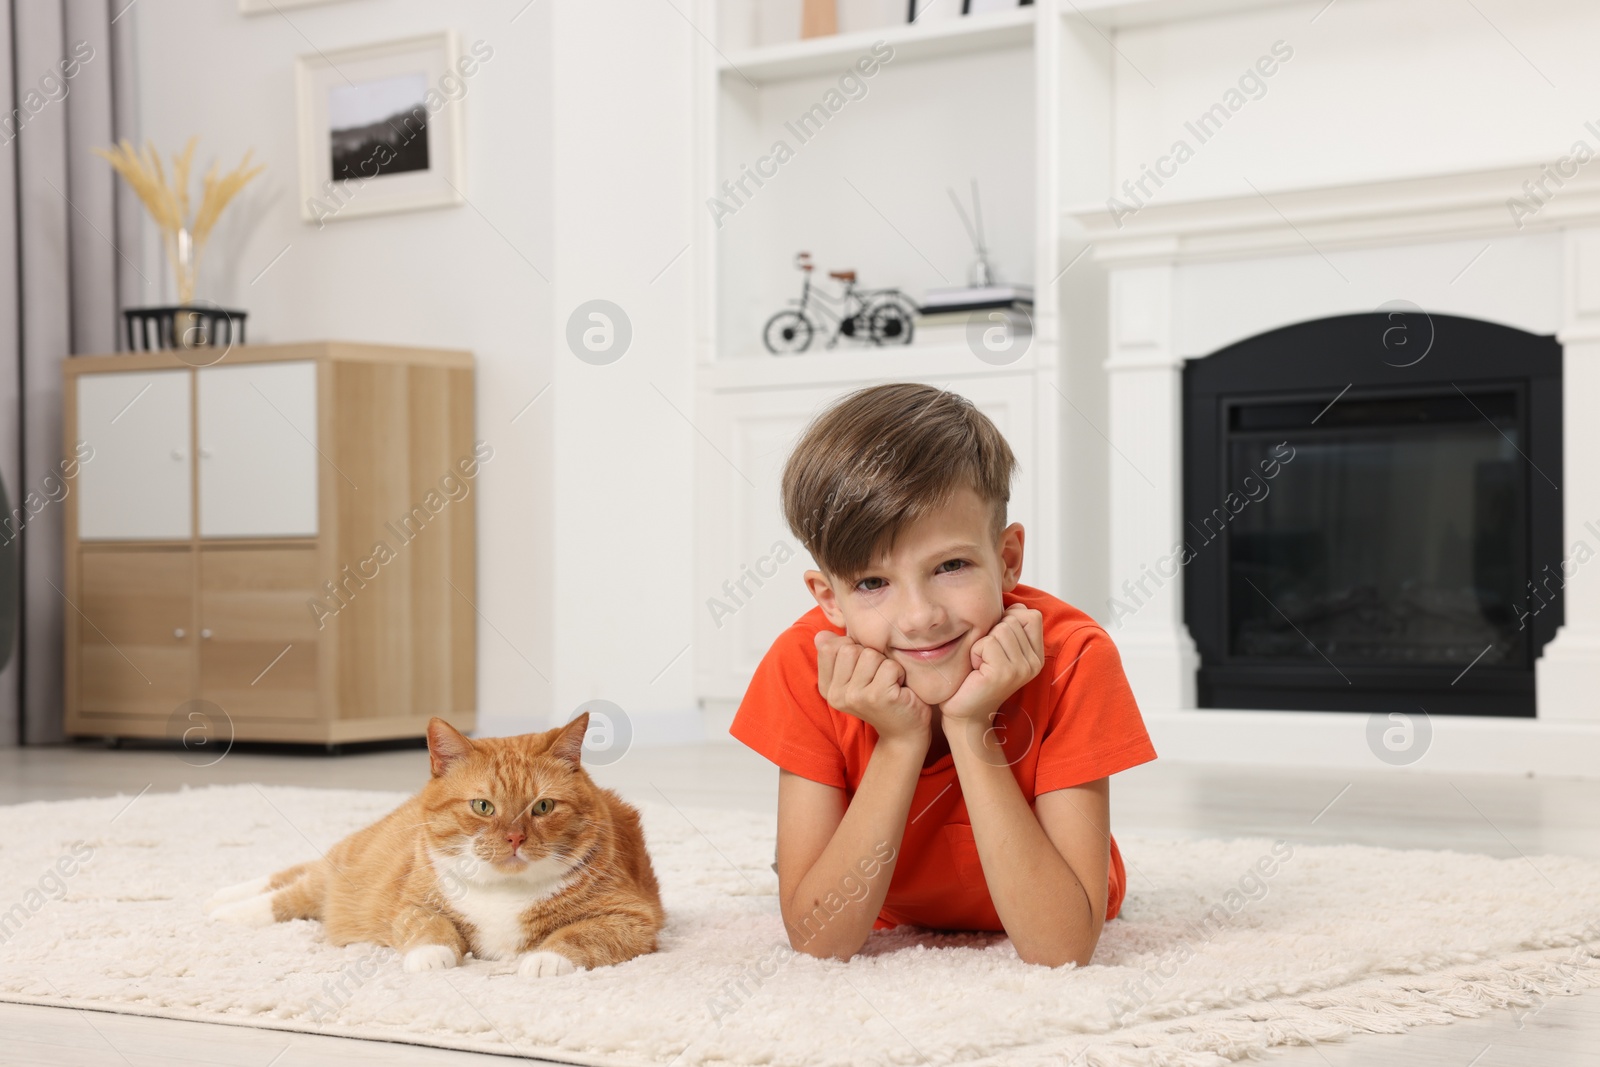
{"x": 862, "y": 586}
{"x": 957, "y": 562}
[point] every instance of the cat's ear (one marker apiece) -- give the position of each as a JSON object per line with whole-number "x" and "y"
{"x": 568, "y": 745}
{"x": 446, "y": 746}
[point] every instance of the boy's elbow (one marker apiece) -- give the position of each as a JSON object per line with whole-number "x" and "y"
{"x": 1057, "y": 955}
{"x": 812, "y": 944}
{"x": 810, "y": 937}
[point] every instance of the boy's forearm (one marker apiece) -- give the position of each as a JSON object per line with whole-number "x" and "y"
{"x": 1043, "y": 906}
{"x": 870, "y": 833}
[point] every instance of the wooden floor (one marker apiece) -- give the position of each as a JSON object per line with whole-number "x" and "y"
{"x": 1400, "y": 809}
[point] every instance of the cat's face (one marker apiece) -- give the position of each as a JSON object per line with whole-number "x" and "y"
{"x": 510, "y": 807}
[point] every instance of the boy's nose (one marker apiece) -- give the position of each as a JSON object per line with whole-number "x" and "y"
{"x": 920, "y": 618}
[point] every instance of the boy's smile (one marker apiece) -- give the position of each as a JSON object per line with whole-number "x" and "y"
{"x": 926, "y": 602}
{"x": 935, "y": 653}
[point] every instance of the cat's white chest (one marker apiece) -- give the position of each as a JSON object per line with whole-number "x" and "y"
{"x": 495, "y": 906}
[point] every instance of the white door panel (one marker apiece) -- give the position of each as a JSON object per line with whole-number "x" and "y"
{"x": 258, "y": 460}
{"x": 135, "y": 484}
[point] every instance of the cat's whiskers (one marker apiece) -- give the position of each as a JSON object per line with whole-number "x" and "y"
{"x": 576, "y": 867}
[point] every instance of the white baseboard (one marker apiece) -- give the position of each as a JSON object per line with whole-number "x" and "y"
{"x": 1459, "y": 744}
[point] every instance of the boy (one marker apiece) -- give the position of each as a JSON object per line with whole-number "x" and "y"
{"x": 944, "y": 734}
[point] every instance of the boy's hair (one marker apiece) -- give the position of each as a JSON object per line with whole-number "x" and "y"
{"x": 882, "y": 458}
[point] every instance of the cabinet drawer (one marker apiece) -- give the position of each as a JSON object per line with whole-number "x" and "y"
{"x": 258, "y": 639}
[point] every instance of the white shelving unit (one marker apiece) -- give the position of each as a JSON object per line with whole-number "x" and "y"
{"x": 826, "y": 55}
{"x": 1020, "y": 101}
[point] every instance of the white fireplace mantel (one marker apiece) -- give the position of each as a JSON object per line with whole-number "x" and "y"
{"x": 1449, "y": 206}
{"x": 1147, "y": 253}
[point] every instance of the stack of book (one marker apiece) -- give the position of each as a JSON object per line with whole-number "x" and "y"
{"x": 944, "y": 313}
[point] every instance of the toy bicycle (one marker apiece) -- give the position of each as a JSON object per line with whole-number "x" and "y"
{"x": 873, "y": 316}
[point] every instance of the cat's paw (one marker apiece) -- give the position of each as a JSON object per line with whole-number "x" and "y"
{"x": 545, "y": 965}
{"x": 242, "y": 891}
{"x": 254, "y": 911}
{"x": 430, "y": 958}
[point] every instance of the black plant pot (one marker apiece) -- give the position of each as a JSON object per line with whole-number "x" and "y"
{"x": 183, "y": 326}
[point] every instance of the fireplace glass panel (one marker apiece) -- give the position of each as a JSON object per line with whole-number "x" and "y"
{"x": 1395, "y": 535}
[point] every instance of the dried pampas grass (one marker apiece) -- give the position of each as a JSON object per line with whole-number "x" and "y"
{"x": 168, "y": 204}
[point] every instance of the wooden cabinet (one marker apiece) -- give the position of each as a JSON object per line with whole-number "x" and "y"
{"x": 286, "y": 535}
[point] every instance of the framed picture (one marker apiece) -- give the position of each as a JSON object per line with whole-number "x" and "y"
{"x": 381, "y": 127}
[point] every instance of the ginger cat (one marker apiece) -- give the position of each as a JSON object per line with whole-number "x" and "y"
{"x": 509, "y": 850}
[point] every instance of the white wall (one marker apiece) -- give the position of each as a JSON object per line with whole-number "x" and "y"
{"x": 623, "y": 597}
{"x": 578, "y": 156}
{"x": 1375, "y": 89}
{"x": 577, "y": 176}
{"x": 456, "y": 277}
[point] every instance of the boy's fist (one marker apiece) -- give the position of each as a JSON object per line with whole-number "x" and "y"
{"x": 865, "y": 683}
{"x": 1002, "y": 661}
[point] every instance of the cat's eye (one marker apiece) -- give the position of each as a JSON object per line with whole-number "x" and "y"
{"x": 482, "y": 807}
{"x": 543, "y": 806}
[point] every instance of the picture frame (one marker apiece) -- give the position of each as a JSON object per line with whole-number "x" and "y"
{"x": 381, "y": 127}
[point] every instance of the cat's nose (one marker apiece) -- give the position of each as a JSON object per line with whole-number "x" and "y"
{"x": 515, "y": 838}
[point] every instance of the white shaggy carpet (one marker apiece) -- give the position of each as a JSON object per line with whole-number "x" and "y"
{"x": 1338, "y": 940}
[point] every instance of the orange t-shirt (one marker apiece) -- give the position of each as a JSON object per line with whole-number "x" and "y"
{"x": 1073, "y": 722}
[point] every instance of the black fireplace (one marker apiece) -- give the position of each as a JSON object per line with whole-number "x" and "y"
{"x": 1372, "y": 513}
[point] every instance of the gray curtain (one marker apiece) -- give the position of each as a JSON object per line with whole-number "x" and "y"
{"x": 69, "y": 242}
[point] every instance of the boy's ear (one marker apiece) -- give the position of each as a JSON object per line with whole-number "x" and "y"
{"x": 822, "y": 591}
{"x": 1010, "y": 551}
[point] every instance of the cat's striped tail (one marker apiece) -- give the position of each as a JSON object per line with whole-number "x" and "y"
{"x": 293, "y": 893}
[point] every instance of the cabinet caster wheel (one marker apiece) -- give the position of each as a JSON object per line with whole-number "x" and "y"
{"x": 112, "y": 741}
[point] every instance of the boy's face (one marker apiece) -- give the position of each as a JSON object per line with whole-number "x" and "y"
{"x": 939, "y": 589}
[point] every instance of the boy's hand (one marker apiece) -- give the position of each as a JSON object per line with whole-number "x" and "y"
{"x": 869, "y": 685}
{"x": 1002, "y": 661}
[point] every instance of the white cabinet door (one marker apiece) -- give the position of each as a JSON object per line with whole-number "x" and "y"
{"x": 135, "y": 484}
{"x": 258, "y": 459}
